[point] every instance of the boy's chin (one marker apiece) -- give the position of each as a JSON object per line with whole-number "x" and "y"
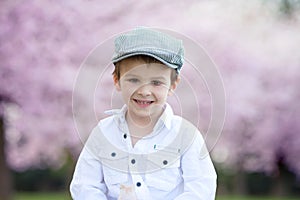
{"x": 151, "y": 111}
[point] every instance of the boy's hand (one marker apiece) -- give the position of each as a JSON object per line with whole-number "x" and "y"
{"x": 127, "y": 193}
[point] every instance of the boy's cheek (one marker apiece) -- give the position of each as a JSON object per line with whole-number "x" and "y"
{"x": 128, "y": 92}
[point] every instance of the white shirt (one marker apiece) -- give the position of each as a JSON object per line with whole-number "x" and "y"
{"x": 163, "y": 165}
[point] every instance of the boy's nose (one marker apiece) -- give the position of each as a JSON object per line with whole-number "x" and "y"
{"x": 144, "y": 90}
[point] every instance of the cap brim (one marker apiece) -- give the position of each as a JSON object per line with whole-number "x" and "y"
{"x": 114, "y": 60}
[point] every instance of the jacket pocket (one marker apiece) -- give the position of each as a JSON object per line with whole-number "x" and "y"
{"x": 165, "y": 179}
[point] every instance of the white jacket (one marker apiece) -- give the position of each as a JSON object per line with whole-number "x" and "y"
{"x": 171, "y": 163}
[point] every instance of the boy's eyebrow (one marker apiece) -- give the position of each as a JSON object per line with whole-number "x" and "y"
{"x": 133, "y": 75}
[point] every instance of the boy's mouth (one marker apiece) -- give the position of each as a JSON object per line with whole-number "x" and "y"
{"x": 143, "y": 102}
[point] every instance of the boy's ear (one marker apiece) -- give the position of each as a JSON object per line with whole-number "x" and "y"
{"x": 174, "y": 86}
{"x": 117, "y": 83}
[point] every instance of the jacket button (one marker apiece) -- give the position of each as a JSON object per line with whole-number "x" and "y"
{"x": 125, "y": 136}
{"x": 132, "y": 161}
{"x": 113, "y": 154}
{"x": 138, "y": 184}
{"x": 165, "y": 162}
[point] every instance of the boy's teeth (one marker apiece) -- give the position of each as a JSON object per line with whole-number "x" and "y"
{"x": 143, "y": 102}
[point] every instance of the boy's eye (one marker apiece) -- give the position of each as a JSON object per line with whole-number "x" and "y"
{"x": 156, "y": 83}
{"x": 133, "y": 80}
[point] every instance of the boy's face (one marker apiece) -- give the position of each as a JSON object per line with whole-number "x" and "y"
{"x": 144, "y": 87}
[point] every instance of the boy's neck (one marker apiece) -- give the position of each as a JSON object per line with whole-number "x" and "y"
{"x": 143, "y": 124}
{"x": 140, "y": 127}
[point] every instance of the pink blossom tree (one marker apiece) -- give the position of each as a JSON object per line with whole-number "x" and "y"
{"x": 261, "y": 80}
{"x": 38, "y": 66}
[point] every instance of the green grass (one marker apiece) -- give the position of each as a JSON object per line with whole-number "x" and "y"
{"x": 42, "y": 196}
{"x": 254, "y": 198}
{"x": 66, "y": 196}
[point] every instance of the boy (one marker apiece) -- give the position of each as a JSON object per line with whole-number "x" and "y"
{"x": 144, "y": 151}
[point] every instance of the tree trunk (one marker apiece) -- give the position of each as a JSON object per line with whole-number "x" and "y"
{"x": 278, "y": 189}
{"x": 6, "y": 187}
{"x": 281, "y": 179}
{"x": 240, "y": 187}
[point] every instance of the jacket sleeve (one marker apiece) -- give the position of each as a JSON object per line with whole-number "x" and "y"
{"x": 88, "y": 182}
{"x": 198, "y": 172}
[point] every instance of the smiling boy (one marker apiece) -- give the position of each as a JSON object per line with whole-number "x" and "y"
{"x": 145, "y": 85}
{"x": 144, "y": 151}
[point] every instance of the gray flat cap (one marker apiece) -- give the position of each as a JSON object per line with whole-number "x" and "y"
{"x": 146, "y": 41}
